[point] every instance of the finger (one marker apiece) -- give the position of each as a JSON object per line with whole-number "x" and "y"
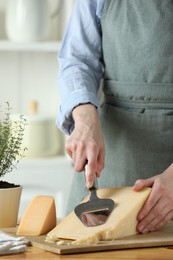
{"x": 140, "y": 184}
{"x": 158, "y": 222}
{"x": 80, "y": 157}
{"x": 68, "y": 149}
{"x": 158, "y": 214}
{"x": 100, "y": 162}
{"x": 154, "y": 197}
{"x": 91, "y": 168}
{"x": 154, "y": 217}
{"x": 168, "y": 217}
{"x": 90, "y": 176}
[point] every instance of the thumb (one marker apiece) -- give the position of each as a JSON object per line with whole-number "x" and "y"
{"x": 140, "y": 184}
{"x": 89, "y": 176}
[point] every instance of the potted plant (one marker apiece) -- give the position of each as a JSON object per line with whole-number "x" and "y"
{"x": 11, "y": 152}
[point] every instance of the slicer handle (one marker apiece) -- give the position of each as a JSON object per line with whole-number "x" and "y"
{"x": 95, "y": 183}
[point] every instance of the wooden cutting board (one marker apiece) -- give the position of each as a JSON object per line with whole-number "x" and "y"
{"x": 164, "y": 237}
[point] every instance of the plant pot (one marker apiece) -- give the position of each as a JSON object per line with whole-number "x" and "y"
{"x": 9, "y": 206}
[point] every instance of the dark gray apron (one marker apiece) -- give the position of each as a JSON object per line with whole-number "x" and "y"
{"x": 137, "y": 113}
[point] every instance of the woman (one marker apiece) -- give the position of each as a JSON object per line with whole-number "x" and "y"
{"x": 127, "y": 136}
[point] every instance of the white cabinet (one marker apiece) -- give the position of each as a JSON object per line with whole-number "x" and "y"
{"x": 36, "y": 47}
{"x": 29, "y": 72}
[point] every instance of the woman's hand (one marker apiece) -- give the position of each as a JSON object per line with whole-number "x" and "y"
{"x": 158, "y": 209}
{"x": 86, "y": 144}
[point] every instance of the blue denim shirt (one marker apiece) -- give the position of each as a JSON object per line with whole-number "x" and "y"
{"x": 80, "y": 60}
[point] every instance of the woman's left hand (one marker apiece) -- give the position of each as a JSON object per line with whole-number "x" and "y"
{"x": 158, "y": 209}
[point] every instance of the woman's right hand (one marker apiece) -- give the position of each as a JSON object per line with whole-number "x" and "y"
{"x": 86, "y": 144}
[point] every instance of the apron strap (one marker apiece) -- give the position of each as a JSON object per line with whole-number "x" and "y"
{"x": 138, "y": 95}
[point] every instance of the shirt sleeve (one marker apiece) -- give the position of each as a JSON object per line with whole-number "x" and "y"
{"x": 80, "y": 60}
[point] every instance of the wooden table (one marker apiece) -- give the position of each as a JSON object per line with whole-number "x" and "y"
{"x": 159, "y": 253}
{"x": 152, "y": 253}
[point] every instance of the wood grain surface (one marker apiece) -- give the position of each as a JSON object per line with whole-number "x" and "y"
{"x": 160, "y": 253}
{"x": 162, "y": 238}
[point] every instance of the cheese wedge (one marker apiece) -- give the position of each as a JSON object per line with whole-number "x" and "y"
{"x": 39, "y": 218}
{"x": 122, "y": 221}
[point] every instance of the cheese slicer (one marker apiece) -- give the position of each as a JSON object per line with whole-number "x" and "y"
{"x": 95, "y": 211}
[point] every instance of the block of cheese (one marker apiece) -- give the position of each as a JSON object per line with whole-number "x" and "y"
{"x": 122, "y": 221}
{"x": 39, "y": 218}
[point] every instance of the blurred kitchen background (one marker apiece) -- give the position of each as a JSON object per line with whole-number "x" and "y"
{"x": 31, "y": 32}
